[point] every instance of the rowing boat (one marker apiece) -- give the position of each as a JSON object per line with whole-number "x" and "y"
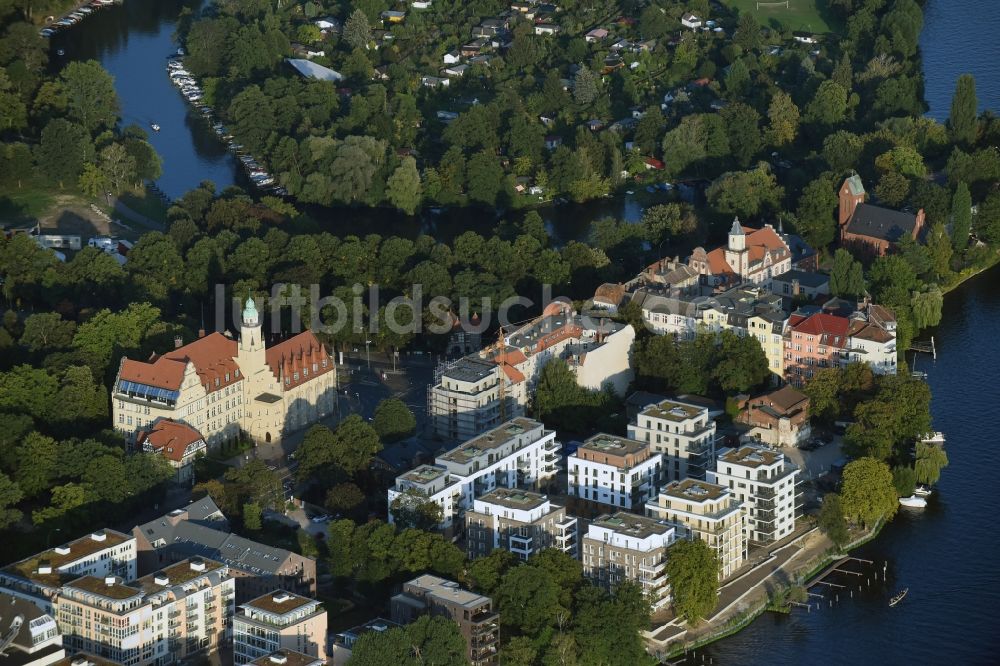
{"x": 899, "y": 597}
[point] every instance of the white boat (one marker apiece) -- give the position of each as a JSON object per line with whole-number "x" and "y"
{"x": 155, "y": 127}
{"x": 899, "y": 597}
{"x": 933, "y": 438}
{"x": 923, "y": 491}
{"x": 913, "y": 502}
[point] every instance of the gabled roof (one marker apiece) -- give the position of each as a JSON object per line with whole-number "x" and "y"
{"x": 302, "y": 355}
{"x": 833, "y": 329}
{"x": 610, "y": 292}
{"x": 213, "y": 357}
{"x": 163, "y": 373}
{"x": 170, "y": 438}
{"x": 881, "y": 223}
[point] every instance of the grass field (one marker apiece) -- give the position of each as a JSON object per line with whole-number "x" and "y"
{"x": 24, "y": 206}
{"x": 806, "y": 15}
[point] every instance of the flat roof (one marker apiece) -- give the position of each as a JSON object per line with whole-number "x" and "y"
{"x": 633, "y": 525}
{"x": 424, "y": 474}
{"x": 448, "y": 590}
{"x": 286, "y": 658}
{"x": 695, "y": 490}
{"x": 515, "y": 499}
{"x": 672, "y": 410}
{"x": 470, "y": 369}
{"x": 178, "y": 574}
{"x": 84, "y": 659}
{"x": 613, "y": 444}
{"x": 750, "y": 456}
{"x": 117, "y": 590}
{"x": 292, "y": 602}
{"x": 489, "y": 440}
{"x": 78, "y": 549}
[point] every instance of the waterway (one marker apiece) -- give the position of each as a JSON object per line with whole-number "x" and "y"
{"x": 942, "y": 554}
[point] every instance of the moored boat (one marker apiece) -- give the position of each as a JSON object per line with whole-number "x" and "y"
{"x": 913, "y": 502}
{"x": 936, "y": 437}
{"x": 923, "y": 491}
{"x": 899, "y": 597}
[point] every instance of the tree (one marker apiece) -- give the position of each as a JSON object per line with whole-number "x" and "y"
{"x": 828, "y": 106}
{"x": 962, "y": 123}
{"x": 586, "y": 86}
{"x": 831, "y": 520}
{"x": 824, "y": 390}
{"x": 867, "y": 492}
{"x": 10, "y": 495}
{"x": 485, "y": 178}
{"x": 892, "y": 188}
{"x": 904, "y": 479}
{"x": 64, "y": 148}
{"x": 815, "y": 213}
{"x": 528, "y": 599}
{"x": 393, "y": 420}
{"x": 117, "y": 167}
{"x": 429, "y": 640}
{"x": 938, "y": 251}
{"x": 961, "y": 217}
{"x": 745, "y": 193}
{"x": 747, "y": 33}
{"x": 345, "y": 498}
{"x": 663, "y": 221}
{"x": 411, "y": 509}
{"x": 783, "y": 118}
{"x": 404, "y": 186}
{"x": 487, "y": 572}
{"x": 742, "y": 363}
{"x": 931, "y": 459}
{"x": 926, "y": 307}
{"x": 92, "y": 181}
{"x": 737, "y": 79}
{"x": 519, "y": 651}
{"x": 37, "y": 461}
{"x": 564, "y": 569}
{"x": 252, "y": 117}
{"x": 47, "y": 331}
{"x": 252, "y": 517}
{"x": 693, "y": 571}
{"x": 847, "y": 278}
{"x": 91, "y": 96}
{"x": 743, "y": 128}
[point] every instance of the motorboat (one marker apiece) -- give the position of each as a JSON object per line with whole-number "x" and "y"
{"x": 898, "y": 597}
{"x": 60, "y": 52}
{"x": 933, "y": 438}
{"x": 923, "y": 491}
{"x": 154, "y": 127}
{"x": 913, "y": 501}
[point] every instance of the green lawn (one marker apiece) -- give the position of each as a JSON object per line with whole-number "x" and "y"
{"x": 25, "y": 205}
{"x": 806, "y": 15}
{"x": 145, "y": 203}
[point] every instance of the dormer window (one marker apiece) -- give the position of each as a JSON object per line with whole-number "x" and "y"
{"x": 324, "y": 362}
{"x": 216, "y": 381}
{"x": 287, "y": 381}
{"x": 237, "y": 372}
{"x": 305, "y": 372}
{"x": 295, "y": 376}
{"x": 227, "y": 376}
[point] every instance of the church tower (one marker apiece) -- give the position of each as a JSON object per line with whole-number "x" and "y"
{"x": 736, "y": 251}
{"x": 251, "y": 352}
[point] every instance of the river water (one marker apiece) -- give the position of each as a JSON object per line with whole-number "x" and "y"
{"x": 942, "y": 554}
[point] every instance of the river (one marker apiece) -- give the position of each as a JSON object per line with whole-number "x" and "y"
{"x": 941, "y": 554}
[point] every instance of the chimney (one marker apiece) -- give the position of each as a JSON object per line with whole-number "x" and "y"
{"x": 197, "y": 564}
{"x": 178, "y": 342}
{"x": 44, "y": 567}
{"x": 161, "y": 578}
{"x": 110, "y": 581}
{"x": 201, "y": 332}
{"x": 795, "y": 287}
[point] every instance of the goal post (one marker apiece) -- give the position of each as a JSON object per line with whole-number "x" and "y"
{"x": 772, "y": 4}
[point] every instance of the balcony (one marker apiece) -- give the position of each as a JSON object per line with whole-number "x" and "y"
{"x": 485, "y": 622}
{"x": 654, "y": 569}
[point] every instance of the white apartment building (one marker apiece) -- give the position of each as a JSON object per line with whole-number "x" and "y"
{"x": 167, "y": 617}
{"x": 624, "y": 546}
{"x": 39, "y": 578}
{"x": 465, "y": 399}
{"x": 520, "y": 521}
{"x": 683, "y": 434}
{"x": 279, "y": 621}
{"x": 706, "y": 511}
{"x": 520, "y": 453}
{"x": 613, "y": 470}
{"x": 765, "y": 482}
{"x": 222, "y": 387}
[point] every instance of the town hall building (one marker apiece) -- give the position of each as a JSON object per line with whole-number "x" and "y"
{"x": 222, "y": 387}
{"x": 751, "y": 255}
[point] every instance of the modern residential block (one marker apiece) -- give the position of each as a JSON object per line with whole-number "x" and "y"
{"x": 288, "y": 658}
{"x": 520, "y": 521}
{"x": 473, "y": 613}
{"x": 624, "y": 546}
{"x": 28, "y": 635}
{"x": 276, "y": 622}
{"x": 706, "y": 511}
{"x": 613, "y": 470}
{"x": 765, "y": 483}
{"x": 682, "y": 433}
{"x": 520, "y": 453}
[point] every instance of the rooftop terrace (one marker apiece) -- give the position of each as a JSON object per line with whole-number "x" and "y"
{"x": 751, "y": 456}
{"x": 671, "y": 410}
{"x": 424, "y": 474}
{"x": 515, "y": 499}
{"x": 613, "y": 445}
{"x": 490, "y": 440}
{"x": 446, "y": 590}
{"x": 116, "y": 590}
{"x": 633, "y": 525}
{"x": 178, "y": 574}
{"x": 61, "y": 556}
{"x": 279, "y": 602}
{"x": 693, "y": 490}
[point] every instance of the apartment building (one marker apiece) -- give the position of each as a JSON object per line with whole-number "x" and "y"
{"x": 520, "y": 453}
{"x": 201, "y": 530}
{"x": 473, "y": 613}
{"x": 40, "y": 577}
{"x": 221, "y": 386}
{"x": 174, "y": 615}
{"x": 28, "y": 635}
{"x": 276, "y": 622}
{"x": 614, "y": 470}
{"x": 765, "y": 483}
{"x": 706, "y": 511}
{"x": 625, "y": 546}
{"x": 520, "y": 521}
{"x": 682, "y": 433}
{"x": 480, "y": 391}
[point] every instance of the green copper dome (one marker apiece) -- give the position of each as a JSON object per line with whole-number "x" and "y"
{"x": 250, "y": 311}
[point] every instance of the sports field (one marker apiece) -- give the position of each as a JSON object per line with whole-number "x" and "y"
{"x": 806, "y": 15}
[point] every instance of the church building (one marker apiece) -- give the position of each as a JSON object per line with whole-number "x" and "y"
{"x": 223, "y": 387}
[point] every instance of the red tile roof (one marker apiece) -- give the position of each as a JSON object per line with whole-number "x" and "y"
{"x": 213, "y": 356}
{"x": 162, "y": 373}
{"x": 169, "y": 437}
{"x": 831, "y": 328}
{"x": 300, "y": 356}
